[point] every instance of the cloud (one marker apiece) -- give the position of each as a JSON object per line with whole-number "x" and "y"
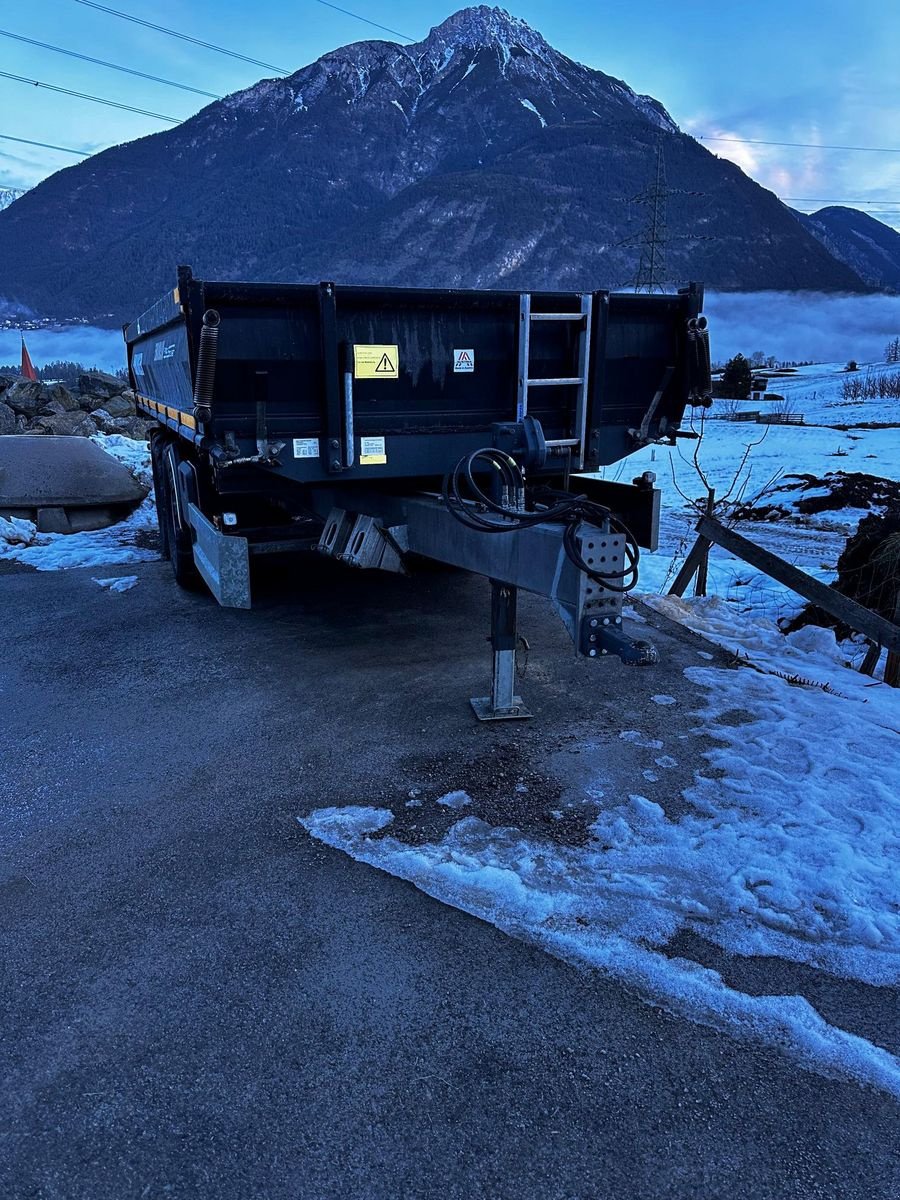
{"x": 802, "y": 325}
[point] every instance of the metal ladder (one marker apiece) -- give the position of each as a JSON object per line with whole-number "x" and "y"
{"x": 579, "y": 381}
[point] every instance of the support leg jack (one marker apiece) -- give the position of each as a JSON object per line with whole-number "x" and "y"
{"x": 502, "y": 704}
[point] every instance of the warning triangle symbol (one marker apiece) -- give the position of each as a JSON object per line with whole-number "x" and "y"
{"x": 385, "y": 366}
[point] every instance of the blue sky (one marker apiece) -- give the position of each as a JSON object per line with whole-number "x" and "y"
{"x": 824, "y": 72}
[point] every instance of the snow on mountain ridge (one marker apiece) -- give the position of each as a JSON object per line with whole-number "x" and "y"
{"x": 403, "y": 75}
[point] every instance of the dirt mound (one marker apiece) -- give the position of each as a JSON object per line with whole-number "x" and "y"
{"x": 808, "y": 495}
{"x": 868, "y": 572}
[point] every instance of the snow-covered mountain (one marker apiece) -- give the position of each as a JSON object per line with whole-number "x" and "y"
{"x": 480, "y": 156}
{"x": 8, "y": 195}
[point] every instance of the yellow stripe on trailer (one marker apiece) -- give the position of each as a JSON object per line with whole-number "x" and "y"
{"x": 162, "y": 411}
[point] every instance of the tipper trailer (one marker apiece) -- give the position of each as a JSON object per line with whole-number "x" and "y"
{"x": 375, "y": 425}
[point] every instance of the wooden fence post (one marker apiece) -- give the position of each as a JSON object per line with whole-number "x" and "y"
{"x": 696, "y": 554}
{"x": 703, "y": 568}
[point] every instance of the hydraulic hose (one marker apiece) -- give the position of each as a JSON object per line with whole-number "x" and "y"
{"x": 521, "y": 508}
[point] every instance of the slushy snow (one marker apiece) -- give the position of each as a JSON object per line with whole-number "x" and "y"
{"x": 792, "y": 851}
{"x": 122, "y": 583}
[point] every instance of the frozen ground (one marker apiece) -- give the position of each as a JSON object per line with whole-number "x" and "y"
{"x": 786, "y": 847}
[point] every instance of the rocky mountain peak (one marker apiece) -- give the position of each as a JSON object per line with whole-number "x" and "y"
{"x": 482, "y": 25}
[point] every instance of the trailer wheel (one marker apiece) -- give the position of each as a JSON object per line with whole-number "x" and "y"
{"x": 177, "y": 532}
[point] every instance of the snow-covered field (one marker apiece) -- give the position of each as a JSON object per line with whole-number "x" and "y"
{"x": 811, "y": 542}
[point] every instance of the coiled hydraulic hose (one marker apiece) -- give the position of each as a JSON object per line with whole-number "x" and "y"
{"x": 206, "y": 365}
{"x": 521, "y": 508}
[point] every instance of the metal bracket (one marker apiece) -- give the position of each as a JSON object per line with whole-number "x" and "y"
{"x": 362, "y": 541}
{"x": 222, "y": 559}
{"x": 604, "y": 635}
{"x": 368, "y": 547}
{"x": 642, "y": 435}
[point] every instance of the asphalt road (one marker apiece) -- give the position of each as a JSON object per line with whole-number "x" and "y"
{"x": 198, "y": 1000}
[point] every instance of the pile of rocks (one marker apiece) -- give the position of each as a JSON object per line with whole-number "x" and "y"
{"x": 100, "y": 403}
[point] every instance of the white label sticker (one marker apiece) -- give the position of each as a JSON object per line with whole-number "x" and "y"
{"x": 463, "y": 361}
{"x": 306, "y": 447}
{"x": 138, "y": 363}
{"x": 371, "y": 451}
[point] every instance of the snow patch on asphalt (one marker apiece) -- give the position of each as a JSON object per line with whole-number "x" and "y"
{"x": 457, "y": 799}
{"x": 123, "y": 583}
{"x": 791, "y": 851}
{"x": 15, "y": 531}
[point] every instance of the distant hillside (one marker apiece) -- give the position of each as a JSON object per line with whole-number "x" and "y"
{"x": 480, "y": 156}
{"x": 867, "y": 246}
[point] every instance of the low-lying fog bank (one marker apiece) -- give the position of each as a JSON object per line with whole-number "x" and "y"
{"x": 788, "y": 325}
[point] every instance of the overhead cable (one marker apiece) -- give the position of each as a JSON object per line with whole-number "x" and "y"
{"x": 348, "y": 13}
{"x": 85, "y": 96}
{"x": 8, "y": 137}
{"x": 709, "y": 137}
{"x": 185, "y": 37}
{"x": 101, "y": 62}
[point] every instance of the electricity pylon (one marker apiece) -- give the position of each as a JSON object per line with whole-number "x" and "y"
{"x": 653, "y": 239}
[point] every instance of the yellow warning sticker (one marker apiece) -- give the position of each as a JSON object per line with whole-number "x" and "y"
{"x": 376, "y": 362}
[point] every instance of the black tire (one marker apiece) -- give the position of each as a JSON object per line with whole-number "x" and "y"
{"x": 178, "y": 536}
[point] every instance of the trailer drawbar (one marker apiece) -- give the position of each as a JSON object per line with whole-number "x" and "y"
{"x": 374, "y": 425}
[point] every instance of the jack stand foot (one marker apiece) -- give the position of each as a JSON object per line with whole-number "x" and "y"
{"x": 502, "y": 704}
{"x": 484, "y": 710}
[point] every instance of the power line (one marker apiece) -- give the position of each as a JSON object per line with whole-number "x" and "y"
{"x": 96, "y": 99}
{"x": 348, "y": 13}
{"x": 708, "y": 137}
{"x": 102, "y": 63}
{"x": 184, "y": 37}
{"x": 8, "y": 137}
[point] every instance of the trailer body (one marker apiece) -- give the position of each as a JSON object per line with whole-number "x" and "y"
{"x": 327, "y": 415}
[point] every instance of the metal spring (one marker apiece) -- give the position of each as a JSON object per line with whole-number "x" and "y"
{"x": 206, "y": 365}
